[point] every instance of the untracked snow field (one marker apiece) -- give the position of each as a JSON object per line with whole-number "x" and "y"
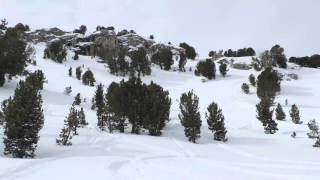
{"x": 249, "y": 154}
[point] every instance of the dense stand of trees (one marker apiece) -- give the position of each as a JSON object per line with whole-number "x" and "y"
{"x": 13, "y": 56}
{"x": 135, "y": 103}
{"x": 56, "y": 51}
{"x": 313, "y": 61}
{"x": 274, "y": 57}
{"x": 240, "y": 52}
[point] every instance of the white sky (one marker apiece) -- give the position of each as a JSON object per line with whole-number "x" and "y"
{"x": 205, "y": 24}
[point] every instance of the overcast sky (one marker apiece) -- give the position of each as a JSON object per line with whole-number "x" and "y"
{"x": 205, "y": 24}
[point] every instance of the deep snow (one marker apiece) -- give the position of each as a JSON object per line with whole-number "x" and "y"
{"x": 249, "y": 154}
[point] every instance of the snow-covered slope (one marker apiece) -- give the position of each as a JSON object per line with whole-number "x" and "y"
{"x": 249, "y": 153}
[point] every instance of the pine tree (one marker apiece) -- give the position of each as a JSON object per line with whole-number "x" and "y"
{"x": 257, "y": 64}
{"x": 139, "y": 62}
{"x": 109, "y": 117}
{"x": 13, "y": 56}
{"x": 268, "y": 83}
{"x": 88, "y": 78}
{"x": 68, "y": 90}
{"x": 163, "y": 58}
{"x": 182, "y": 62}
{"x": 264, "y": 115}
{"x": 77, "y": 100}
{"x": 280, "y": 115}
{"x": 215, "y": 120}
{"x": 137, "y": 92}
{"x": 117, "y": 104}
{"x": 252, "y": 80}
{"x": 78, "y": 73}
{"x": 277, "y": 53}
{"x": 56, "y": 51}
{"x": 76, "y": 56}
{"x": 158, "y": 105}
{"x": 245, "y": 88}
{"x": 70, "y": 72}
{"x": 190, "y": 51}
{"x": 223, "y": 69}
{"x": 99, "y": 103}
{"x": 190, "y": 115}
{"x": 3, "y": 25}
{"x": 295, "y": 114}
{"x": 206, "y": 68}
{"x": 70, "y": 125}
{"x": 82, "y": 118}
{"x": 122, "y": 62}
{"x": 314, "y": 129}
{"x": 74, "y": 120}
{"x": 37, "y": 79}
{"x": 24, "y": 119}
{"x": 317, "y": 143}
{"x": 93, "y": 104}
{"x": 1, "y": 117}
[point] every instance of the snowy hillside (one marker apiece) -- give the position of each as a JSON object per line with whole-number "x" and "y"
{"x": 248, "y": 154}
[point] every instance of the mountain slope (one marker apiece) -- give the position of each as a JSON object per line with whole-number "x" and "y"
{"x": 249, "y": 153}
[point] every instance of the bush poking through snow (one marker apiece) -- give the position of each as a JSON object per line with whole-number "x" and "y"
{"x": 88, "y": 78}
{"x": 256, "y": 64}
{"x": 82, "y": 118}
{"x": 68, "y": 90}
{"x": 245, "y": 88}
{"x": 314, "y": 129}
{"x": 76, "y": 56}
{"x": 280, "y": 115}
{"x": 78, "y": 72}
{"x": 252, "y": 80}
{"x": 295, "y": 114}
{"x": 223, "y": 69}
{"x": 77, "y": 100}
{"x": 70, "y": 72}
{"x": 314, "y": 132}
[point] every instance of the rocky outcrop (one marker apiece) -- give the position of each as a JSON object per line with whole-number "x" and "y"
{"x": 104, "y": 43}
{"x": 44, "y": 35}
{"x": 241, "y": 66}
{"x": 293, "y": 76}
{"x": 132, "y": 40}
